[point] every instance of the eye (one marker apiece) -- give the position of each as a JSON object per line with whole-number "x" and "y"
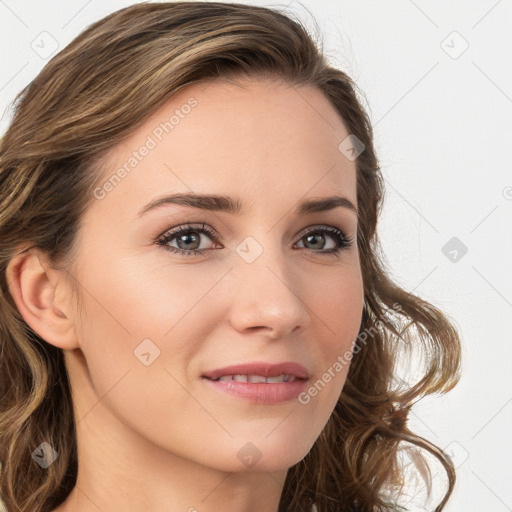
{"x": 316, "y": 237}
{"x": 188, "y": 240}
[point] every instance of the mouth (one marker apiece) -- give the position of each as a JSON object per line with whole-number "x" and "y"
{"x": 259, "y": 372}
{"x": 260, "y": 383}
{"x": 255, "y": 379}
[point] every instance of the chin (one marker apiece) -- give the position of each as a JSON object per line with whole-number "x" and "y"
{"x": 266, "y": 455}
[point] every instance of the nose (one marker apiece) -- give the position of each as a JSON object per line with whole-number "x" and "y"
{"x": 269, "y": 297}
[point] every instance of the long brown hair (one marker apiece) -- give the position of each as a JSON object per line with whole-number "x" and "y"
{"x": 86, "y": 100}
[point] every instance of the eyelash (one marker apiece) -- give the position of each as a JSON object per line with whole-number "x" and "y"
{"x": 343, "y": 241}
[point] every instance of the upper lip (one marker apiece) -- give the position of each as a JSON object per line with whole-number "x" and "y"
{"x": 263, "y": 369}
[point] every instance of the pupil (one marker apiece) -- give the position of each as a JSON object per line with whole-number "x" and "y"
{"x": 187, "y": 239}
{"x": 320, "y": 236}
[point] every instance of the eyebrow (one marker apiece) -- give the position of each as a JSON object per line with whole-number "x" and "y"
{"x": 234, "y": 206}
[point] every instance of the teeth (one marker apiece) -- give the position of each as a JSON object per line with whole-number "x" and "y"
{"x": 258, "y": 378}
{"x": 281, "y": 378}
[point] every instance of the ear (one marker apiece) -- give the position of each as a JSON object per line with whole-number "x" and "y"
{"x": 39, "y": 292}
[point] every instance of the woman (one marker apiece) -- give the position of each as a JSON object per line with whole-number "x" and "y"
{"x": 195, "y": 314}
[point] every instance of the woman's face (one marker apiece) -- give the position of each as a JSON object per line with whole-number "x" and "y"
{"x": 267, "y": 284}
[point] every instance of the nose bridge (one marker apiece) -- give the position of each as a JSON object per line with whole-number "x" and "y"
{"x": 268, "y": 294}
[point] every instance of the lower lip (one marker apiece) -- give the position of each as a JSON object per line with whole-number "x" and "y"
{"x": 260, "y": 392}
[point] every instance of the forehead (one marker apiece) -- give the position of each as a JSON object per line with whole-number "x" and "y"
{"x": 258, "y": 138}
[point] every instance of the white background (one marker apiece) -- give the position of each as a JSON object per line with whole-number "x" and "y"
{"x": 443, "y": 128}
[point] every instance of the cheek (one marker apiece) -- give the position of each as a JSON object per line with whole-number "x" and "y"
{"x": 339, "y": 313}
{"x": 127, "y": 319}
{"x": 338, "y": 304}
{"x": 142, "y": 326}
{"x": 133, "y": 301}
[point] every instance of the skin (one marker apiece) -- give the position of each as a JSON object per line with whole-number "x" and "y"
{"x": 156, "y": 437}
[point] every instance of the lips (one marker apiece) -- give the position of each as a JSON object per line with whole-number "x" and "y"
{"x": 261, "y": 369}
{"x": 259, "y": 383}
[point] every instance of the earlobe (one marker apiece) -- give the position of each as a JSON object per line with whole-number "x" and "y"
{"x": 35, "y": 288}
